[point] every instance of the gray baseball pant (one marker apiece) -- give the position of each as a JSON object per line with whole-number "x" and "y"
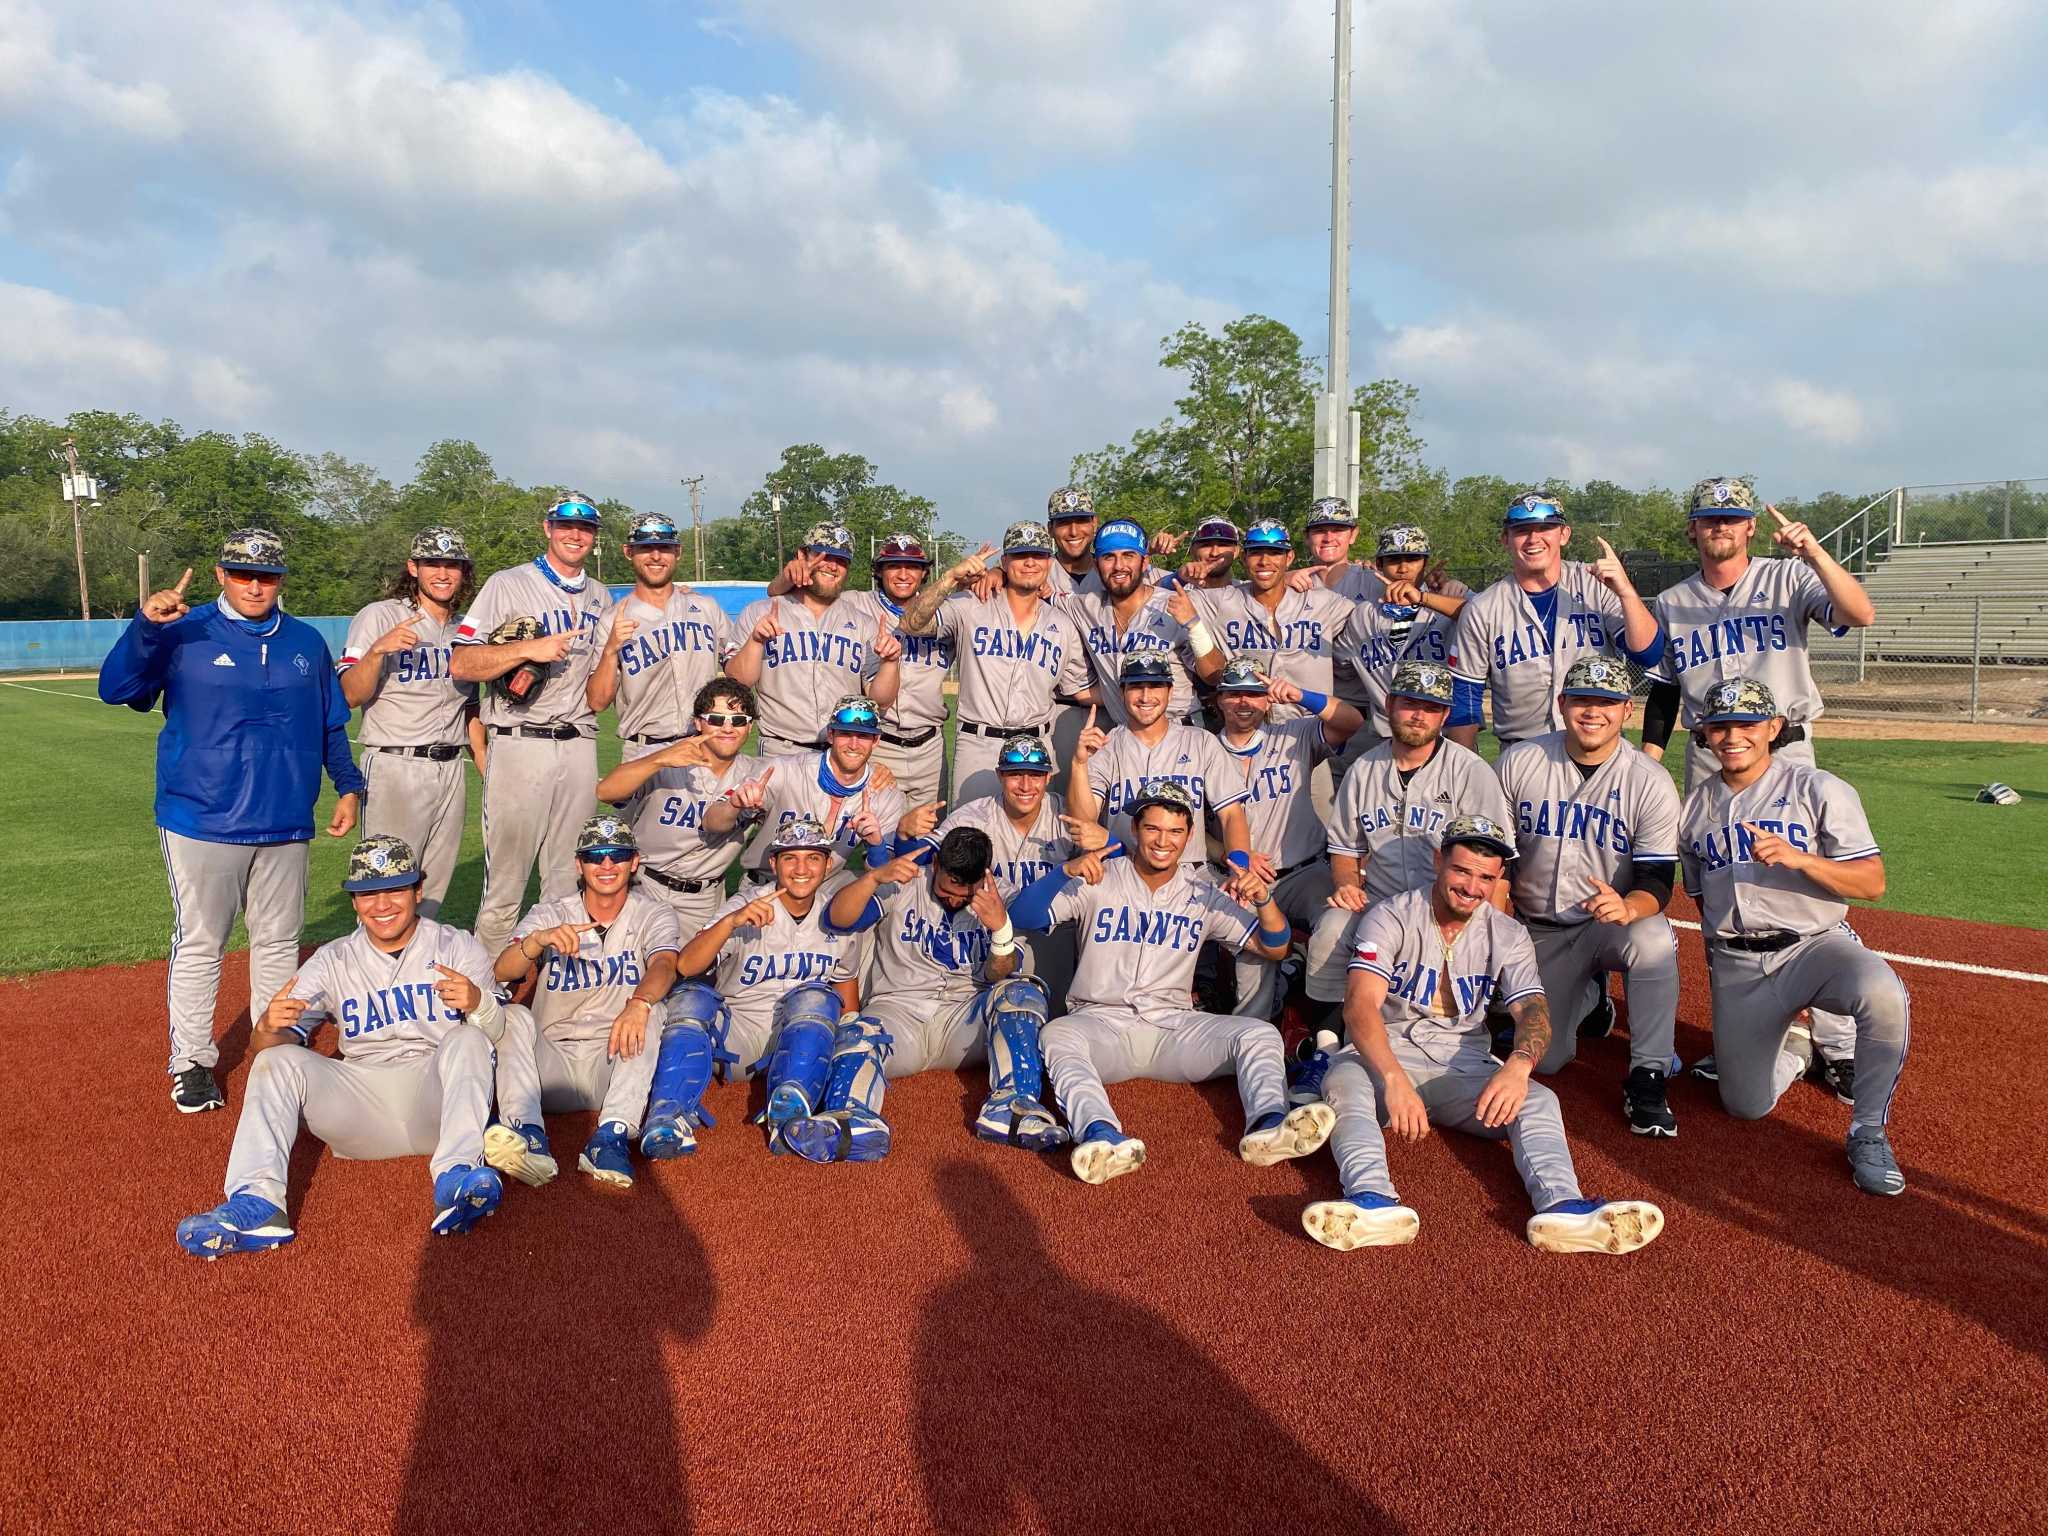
{"x": 974, "y": 767}
{"x": 433, "y": 1103}
{"x": 1304, "y": 896}
{"x": 537, "y": 795}
{"x": 926, "y": 1034}
{"x": 1084, "y": 1051}
{"x": 1357, "y": 744}
{"x": 1450, "y": 1092}
{"x": 919, "y": 770}
{"x": 1068, "y": 721}
{"x": 693, "y": 909}
{"x": 1330, "y": 944}
{"x": 537, "y": 1072}
{"x": 425, "y": 803}
{"x": 1052, "y": 957}
{"x": 1574, "y": 962}
{"x": 1757, "y": 995}
{"x": 781, "y": 746}
{"x": 210, "y": 883}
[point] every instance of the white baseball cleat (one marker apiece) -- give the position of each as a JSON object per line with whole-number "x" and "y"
{"x": 1303, "y": 1130}
{"x": 1596, "y": 1226}
{"x": 1364, "y": 1220}
{"x": 1101, "y": 1158}
{"x": 521, "y": 1151}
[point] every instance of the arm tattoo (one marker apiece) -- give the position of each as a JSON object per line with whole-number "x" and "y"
{"x": 1532, "y": 1025}
{"x": 923, "y": 608}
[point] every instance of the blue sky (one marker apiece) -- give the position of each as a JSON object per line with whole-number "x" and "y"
{"x": 617, "y": 243}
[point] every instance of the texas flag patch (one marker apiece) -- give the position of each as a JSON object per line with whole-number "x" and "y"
{"x": 1369, "y": 953}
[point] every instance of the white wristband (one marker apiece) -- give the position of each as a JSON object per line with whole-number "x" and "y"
{"x": 1200, "y": 638}
{"x": 1004, "y": 940}
{"x": 488, "y": 1017}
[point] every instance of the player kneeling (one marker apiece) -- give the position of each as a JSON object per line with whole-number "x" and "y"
{"x": 1142, "y": 921}
{"x": 414, "y": 1005}
{"x": 1426, "y": 964}
{"x": 943, "y": 990}
{"x": 604, "y": 959}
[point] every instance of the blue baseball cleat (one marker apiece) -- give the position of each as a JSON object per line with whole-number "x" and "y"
{"x": 606, "y": 1156}
{"x": 1367, "y": 1219}
{"x": 1104, "y": 1153}
{"x": 1019, "y": 1120}
{"x": 1595, "y": 1226}
{"x": 667, "y": 1136}
{"x": 464, "y": 1196}
{"x": 838, "y": 1136}
{"x": 1305, "y": 1074}
{"x": 242, "y": 1223}
{"x": 522, "y": 1151}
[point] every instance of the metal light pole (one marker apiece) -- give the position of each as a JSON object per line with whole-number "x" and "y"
{"x": 1336, "y": 422}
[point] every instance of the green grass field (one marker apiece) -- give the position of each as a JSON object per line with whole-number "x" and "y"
{"x": 97, "y": 893}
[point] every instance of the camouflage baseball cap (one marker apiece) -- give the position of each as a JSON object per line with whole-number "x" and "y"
{"x": 1216, "y": 530}
{"x": 1428, "y": 681}
{"x": 1401, "y": 539}
{"x": 1027, "y": 538}
{"x": 575, "y": 508}
{"x": 828, "y": 539}
{"x": 1024, "y": 754}
{"x": 653, "y": 530}
{"x": 901, "y": 549}
{"x": 1535, "y": 509}
{"x": 1166, "y": 792}
{"x": 1479, "y": 832}
{"x": 798, "y": 834}
{"x": 252, "y": 549}
{"x": 1598, "y": 677}
{"x": 1068, "y": 501}
{"x": 1722, "y": 496}
{"x": 1738, "y": 698}
{"x": 1240, "y": 676}
{"x": 1267, "y": 533}
{"x": 439, "y": 544}
{"x": 1331, "y": 512}
{"x": 1143, "y": 669}
{"x": 856, "y": 715}
{"x": 381, "y": 863}
{"x": 606, "y": 832}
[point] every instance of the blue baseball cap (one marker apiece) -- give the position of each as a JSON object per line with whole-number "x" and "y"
{"x": 1119, "y": 536}
{"x": 575, "y": 508}
{"x": 1534, "y": 509}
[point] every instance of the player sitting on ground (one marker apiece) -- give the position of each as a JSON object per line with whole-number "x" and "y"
{"x": 1773, "y": 851}
{"x": 943, "y": 989}
{"x": 1426, "y": 964}
{"x": 415, "y": 1015}
{"x": 605, "y": 958}
{"x": 1142, "y": 921}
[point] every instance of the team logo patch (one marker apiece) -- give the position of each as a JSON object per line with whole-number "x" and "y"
{"x": 302, "y": 664}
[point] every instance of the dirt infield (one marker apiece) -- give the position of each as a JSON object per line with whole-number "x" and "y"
{"x": 964, "y": 1338}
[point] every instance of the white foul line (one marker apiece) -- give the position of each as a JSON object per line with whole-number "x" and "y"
{"x": 1938, "y": 965}
{"x": 55, "y": 693}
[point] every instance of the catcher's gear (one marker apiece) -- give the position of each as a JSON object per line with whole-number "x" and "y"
{"x": 1998, "y": 794}
{"x": 520, "y": 684}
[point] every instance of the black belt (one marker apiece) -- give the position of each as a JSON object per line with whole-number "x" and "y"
{"x": 1760, "y": 943}
{"x": 1321, "y": 858}
{"x": 440, "y": 754}
{"x": 1786, "y": 737}
{"x": 999, "y": 732}
{"x": 539, "y": 732}
{"x": 650, "y": 741}
{"x": 687, "y": 887}
{"x": 909, "y": 741}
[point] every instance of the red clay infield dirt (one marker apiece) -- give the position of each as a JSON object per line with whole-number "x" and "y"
{"x": 965, "y": 1338}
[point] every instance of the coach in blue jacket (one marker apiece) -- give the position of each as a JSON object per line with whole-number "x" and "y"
{"x": 252, "y": 711}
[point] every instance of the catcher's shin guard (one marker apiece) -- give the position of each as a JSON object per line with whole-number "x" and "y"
{"x": 692, "y": 1045}
{"x": 848, "y": 1127}
{"x": 806, "y": 1020}
{"x": 1015, "y": 1110}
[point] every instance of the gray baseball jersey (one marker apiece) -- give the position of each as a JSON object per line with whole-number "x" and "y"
{"x": 758, "y": 965}
{"x": 1008, "y": 675}
{"x": 921, "y": 687}
{"x": 579, "y": 995}
{"x": 1572, "y": 828}
{"x": 1190, "y": 757}
{"x": 1499, "y": 642}
{"x": 534, "y": 590}
{"x": 1811, "y": 809}
{"x": 417, "y": 704}
{"x": 384, "y": 1006}
{"x": 924, "y": 954}
{"x": 1297, "y": 641}
{"x": 1153, "y": 631}
{"x": 1438, "y": 994}
{"x": 668, "y": 820}
{"x": 1017, "y": 857}
{"x": 1375, "y": 641}
{"x": 1138, "y": 946}
{"x": 676, "y": 650}
{"x": 1396, "y": 827}
{"x": 1756, "y": 629}
{"x": 1060, "y": 582}
{"x": 808, "y": 668}
{"x": 798, "y": 789}
{"x": 1276, "y": 764}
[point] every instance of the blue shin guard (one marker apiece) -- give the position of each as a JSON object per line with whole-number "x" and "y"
{"x": 1015, "y": 1110}
{"x": 691, "y": 1045}
{"x": 848, "y": 1127}
{"x": 806, "y": 1020}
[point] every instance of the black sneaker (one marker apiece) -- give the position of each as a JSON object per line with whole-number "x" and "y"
{"x": 1598, "y": 1024}
{"x": 1642, "y": 1099}
{"x": 1838, "y": 1077}
{"x": 194, "y": 1090}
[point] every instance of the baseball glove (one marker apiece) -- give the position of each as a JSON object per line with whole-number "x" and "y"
{"x": 1998, "y": 794}
{"x": 520, "y": 684}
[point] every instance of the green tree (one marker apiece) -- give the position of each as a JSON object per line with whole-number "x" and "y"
{"x": 816, "y": 487}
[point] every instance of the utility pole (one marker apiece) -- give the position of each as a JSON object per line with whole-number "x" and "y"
{"x": 1336, "y": 422}
{"x": 695, "y": 485}
{"x": 775, "y": 506}
{"x": 78, "y": 490}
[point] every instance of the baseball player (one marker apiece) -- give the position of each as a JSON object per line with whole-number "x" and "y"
{"x": 415, "y": 1015}
{"x": 1212, "y": 553}
{"x": 252, "y": 713}
{"x": 604, "y": 958}
{"x": 1266, "y": 621}
{"x": 541, "y": 772}
{"x": 1744, "y": 618}
{"x": 1596, "y": 825}
{"x": 667, "y": 792}
{"x": 1520, "y": 634}
{"x": 1120, "y": 616}
{"x": 1112, "y": 768}
{"x": 839, "y": 788}
{"x": 1330, "y": 531}
{"x": 657, "y": 645}
{"x": 944, "y": 988}
{"x": 1390, "y": 815}
{"x": 416, "y": 718}
{"x": 803, "y": 652}
{"x": 1773, "y": 851}
{"x": 1406, "y": 621}
{"x": 1427, "y": 963}
{"x": 912, "y": 743}
{"x": 1070, "y": 518}
{"x": 1016, "y": 652}
{"x": 1143, "y": 920}
{"x": 1281, "y": 820}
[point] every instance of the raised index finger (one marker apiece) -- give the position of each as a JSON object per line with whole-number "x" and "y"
{"x": 1782, "y": 523}
{"x": 1606, "y": 548}
{"x": 183, "y": 582}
